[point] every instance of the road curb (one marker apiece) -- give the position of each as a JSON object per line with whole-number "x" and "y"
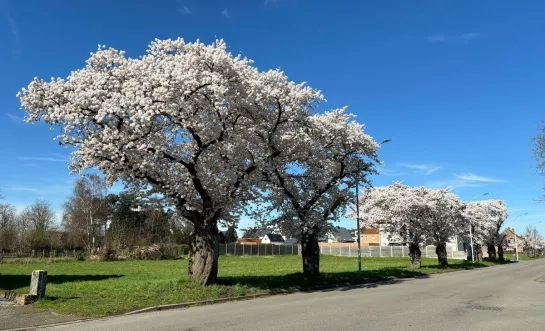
{"x": 200, "y": 303}
{"x": 264, "y": 295}
{"x": 28, "y": 328}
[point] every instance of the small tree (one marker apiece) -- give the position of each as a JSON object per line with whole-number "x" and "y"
{"x": 85, "y": 212}
{"x": 532, "y": 240}
{"x": 40, "y": 219}
{"x": 187, "y": 120}
{"x": 8, "y": 227}
{"x": 231, "y": 234}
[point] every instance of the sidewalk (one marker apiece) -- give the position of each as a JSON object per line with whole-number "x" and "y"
{"x": 12, "y": 317}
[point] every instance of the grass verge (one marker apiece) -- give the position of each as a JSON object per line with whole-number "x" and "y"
{"x": 93, "y": 289}
{"x": 523, "y": 257}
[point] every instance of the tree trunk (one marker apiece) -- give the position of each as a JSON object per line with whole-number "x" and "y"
{"x": 441, "y": 251}
{"x": 491, "y": 250}
{"x": 501, "y": 258}
{"x": 478, "y": 253}
{"x": 416, "y": 255}
{"x": 310, "y": 252}
{"x": 203, "y": 254}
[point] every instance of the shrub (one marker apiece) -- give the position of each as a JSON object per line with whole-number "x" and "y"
{"x": 102, "y": 256}
{"x": 80, "y": 256}
{"x": 147, "y": 253}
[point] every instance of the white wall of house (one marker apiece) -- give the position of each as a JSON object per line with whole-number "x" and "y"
{"x": 267, "y": 240}
{"x": 385, "y": 241}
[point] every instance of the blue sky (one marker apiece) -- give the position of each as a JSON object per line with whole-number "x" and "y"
{"x": 457, "y": 85}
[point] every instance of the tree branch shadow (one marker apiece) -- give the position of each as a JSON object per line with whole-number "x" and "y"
{"x": 14, "y": 282}
{"x": 338, "y": 281}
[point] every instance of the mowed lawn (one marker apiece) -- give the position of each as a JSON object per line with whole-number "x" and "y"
{"x": 107, "y": 288}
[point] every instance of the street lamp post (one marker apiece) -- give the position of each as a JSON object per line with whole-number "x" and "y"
{"x": 358, "y": 224}
{"x": 515, "y": 233}
{"x": 471, "y": 234}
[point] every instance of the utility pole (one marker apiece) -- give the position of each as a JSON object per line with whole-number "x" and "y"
{"x": 358, "y": 224}
{"x": 471, "y": 243}
{"x": 514, "y": 232}
{"x": 471, "y": 233}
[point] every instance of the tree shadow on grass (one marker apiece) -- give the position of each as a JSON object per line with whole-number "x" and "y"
{"x": 337, "y": 281}
{"x": 458, "y": 266}
{"x": 12, "y": 282}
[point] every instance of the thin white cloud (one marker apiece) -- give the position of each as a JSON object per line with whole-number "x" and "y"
{"x": 452, "y": 183}
{"x": 470, "y": 36}
{"x": 49, "y": 159}
{"x": 425, "y": 168}
{"x": 225, "y": 13}
{"x": 4, "y": 10}
{"x": 439, "y": 38}
{"x": 475, "y": 178}
{"x": 184, "y": 10}
{"x": 435, "y": 38}
{"x": 15, "y": 118}
{"x": 386, "y": 172}
{"x": 24, "y": 189}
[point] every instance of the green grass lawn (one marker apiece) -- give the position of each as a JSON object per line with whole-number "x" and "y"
{"x": 107, "y": 288}
{"x": 522, "y": 257}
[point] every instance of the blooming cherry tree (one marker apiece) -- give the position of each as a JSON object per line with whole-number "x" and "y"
{"x": 187, "y": 120}
{"x": 309, "y": 192}
{"x": 401, "y": 212}
{"x": 446, "y": 221}
{"x": 532, "y": 240}
{"x": 497, "y": 213}
{"x": 485, "y": 218}
{"x": 418, "y": 215}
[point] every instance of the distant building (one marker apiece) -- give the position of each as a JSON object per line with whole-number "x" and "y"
{"x": 291, "y": 241}
{"x": 337, "y": 235}
{"x": 273, "y": 239}
{"x": 370, "y": 236}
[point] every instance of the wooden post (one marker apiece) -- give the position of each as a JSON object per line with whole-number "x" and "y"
{"x": 38, "y": 283}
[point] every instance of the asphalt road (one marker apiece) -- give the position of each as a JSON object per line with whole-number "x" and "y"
{"x": 506, "y": 297}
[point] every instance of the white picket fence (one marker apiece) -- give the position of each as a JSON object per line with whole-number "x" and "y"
{"x": 385, "y": 251}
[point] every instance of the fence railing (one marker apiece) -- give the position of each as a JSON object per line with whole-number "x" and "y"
{"x": 42, "y": 253}
{"x": 258, "y": 250}
{"x": 385, "y": 251}
{"x": 269, "y": 250}
{"x": 175, "y": 250}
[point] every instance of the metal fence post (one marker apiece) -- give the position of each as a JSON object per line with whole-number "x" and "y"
{"x": 427, "y": 251}
{"x": 380, "y": 250}
{"x": 391, "y": 251}
{"x": 402, "y": 251}
{"x": 350, "y": 250}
